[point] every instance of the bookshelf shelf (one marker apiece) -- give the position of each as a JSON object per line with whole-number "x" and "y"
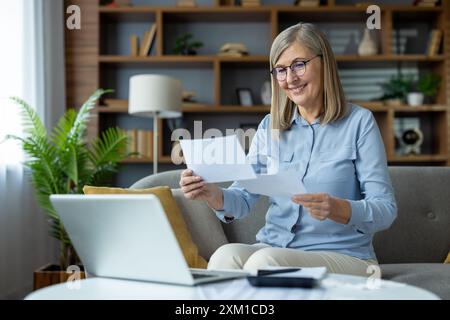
{"x": 164, "y": 159}
{"x": 261, "y": 59}
{"x": 419, "y": 158}
{"x": 265, "y": 8}
{"x": 121, "y": 106}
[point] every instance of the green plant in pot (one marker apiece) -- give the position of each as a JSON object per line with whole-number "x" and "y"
{"x": 396, "y": 89}
{"x": 429, "y": 85}
{"x": 184, "y": 45}
{"x": 61, "y": 162}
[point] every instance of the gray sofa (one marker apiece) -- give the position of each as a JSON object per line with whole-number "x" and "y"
{"x": 411, "y": 251}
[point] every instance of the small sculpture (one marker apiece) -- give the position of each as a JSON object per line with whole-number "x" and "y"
{"x": 412, "y": 140}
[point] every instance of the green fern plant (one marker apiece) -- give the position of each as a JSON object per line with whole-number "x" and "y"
{"x": 62, "y": 162}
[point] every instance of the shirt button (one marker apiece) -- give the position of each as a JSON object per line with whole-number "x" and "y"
{"x": 293, "y": 229}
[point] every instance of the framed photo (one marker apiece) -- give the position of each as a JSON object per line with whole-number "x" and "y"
{"x": 245, "y": 96}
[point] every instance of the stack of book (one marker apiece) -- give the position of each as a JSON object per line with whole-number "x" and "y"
{"x": 434, "y": 42}
{"x": 426, "y": 3}
{"x": 308, "y": 3}
{"x": 233, "y": 50}
{"x": 251, "y": 3}
{"x": 186, "y": 3}
{"x": 140, "y": 142}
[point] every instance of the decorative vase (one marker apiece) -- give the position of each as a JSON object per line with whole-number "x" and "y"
{"x": 368, "y": 45}
{"x": 415, "y": 99}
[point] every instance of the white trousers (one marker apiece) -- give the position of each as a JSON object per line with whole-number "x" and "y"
{"x": 258, "y": 256}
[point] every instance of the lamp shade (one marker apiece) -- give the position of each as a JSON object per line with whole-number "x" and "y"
{"x": 152, "y": 94}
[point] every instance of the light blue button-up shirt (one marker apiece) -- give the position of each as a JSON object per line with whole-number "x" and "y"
{"x": 345, "y": 159}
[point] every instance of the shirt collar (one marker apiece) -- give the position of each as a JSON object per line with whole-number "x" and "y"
{"x": 298, "y": 119}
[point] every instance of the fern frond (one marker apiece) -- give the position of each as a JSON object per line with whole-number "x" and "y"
{"x": 79, "y": 126}
{"x": 109, "y": 147}
{"x": 60, "y": 133}
{"x": 106, "y": 152}
{"x": 31, "y": 123}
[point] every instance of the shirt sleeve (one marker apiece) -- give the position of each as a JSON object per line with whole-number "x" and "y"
{"x": 378, "y": 208}
{"x": 237, "y": 202}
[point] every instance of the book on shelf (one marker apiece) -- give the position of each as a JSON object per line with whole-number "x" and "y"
{"x": 144, "y": 144}
{"x": 147, "y": 42}
{"x": 132, "y": 139}
{"x": 149, "y": 154}
{"x": 434, "y": 42}
{"x": 134, "y": 45}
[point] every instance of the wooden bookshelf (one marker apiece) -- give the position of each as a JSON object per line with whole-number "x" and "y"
{"x": 86, "y": 61}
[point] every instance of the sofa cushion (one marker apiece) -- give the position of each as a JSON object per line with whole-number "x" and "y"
{"x": 206, "y": 229}
{"x": 434, "y": 277}
{"x": 244, "y": 230}
{"x": 176, "y": 220}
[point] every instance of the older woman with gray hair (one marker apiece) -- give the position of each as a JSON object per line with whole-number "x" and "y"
{"x": 335, "y": 149}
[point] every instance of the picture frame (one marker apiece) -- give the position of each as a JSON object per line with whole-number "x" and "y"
{"x": 245, "y": 97}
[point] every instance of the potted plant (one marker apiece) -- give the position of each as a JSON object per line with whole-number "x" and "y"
{"x": 62, "y": 163}
{"x": 429, "y": 85}
{"x": 414, "y": 97}
{"x": 185, "y": 46}
{"x": 396, "y": 89}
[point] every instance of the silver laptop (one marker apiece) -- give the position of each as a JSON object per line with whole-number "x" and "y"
{"x": 128, "y": 237}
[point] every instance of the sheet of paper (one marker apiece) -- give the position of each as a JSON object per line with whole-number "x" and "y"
{"x": 217, "y": 159}
{"x": 282, "y": 184}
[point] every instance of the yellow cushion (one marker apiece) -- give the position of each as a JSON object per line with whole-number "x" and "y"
{"x": 448, "y": 258}
{"x": 174, "y": 216}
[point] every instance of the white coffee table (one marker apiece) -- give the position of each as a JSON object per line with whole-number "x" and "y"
{"x": 333, "y": 287}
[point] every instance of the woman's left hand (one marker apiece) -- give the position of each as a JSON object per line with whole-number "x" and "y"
{"x": 322, "y": 206}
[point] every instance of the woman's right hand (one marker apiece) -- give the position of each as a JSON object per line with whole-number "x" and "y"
{"x": 195, "y": 188}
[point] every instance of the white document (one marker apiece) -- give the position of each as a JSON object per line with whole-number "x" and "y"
{"x": 217, "y": 159}
{"x": 282, "y": 184}
{"x": 223, "y": 159}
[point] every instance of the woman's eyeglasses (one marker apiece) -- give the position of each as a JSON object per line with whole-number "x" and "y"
{"x": 298, "y": 67}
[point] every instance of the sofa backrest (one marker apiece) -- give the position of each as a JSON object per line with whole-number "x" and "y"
{"x": 421, "y": 232}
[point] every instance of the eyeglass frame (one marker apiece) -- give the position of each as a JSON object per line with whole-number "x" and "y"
{"x": 305, "y": 62}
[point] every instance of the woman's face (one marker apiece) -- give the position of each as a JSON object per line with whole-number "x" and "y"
{"x": 305, "y": 90}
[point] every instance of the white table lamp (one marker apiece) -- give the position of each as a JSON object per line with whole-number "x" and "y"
{"x": 155, "y": 96}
